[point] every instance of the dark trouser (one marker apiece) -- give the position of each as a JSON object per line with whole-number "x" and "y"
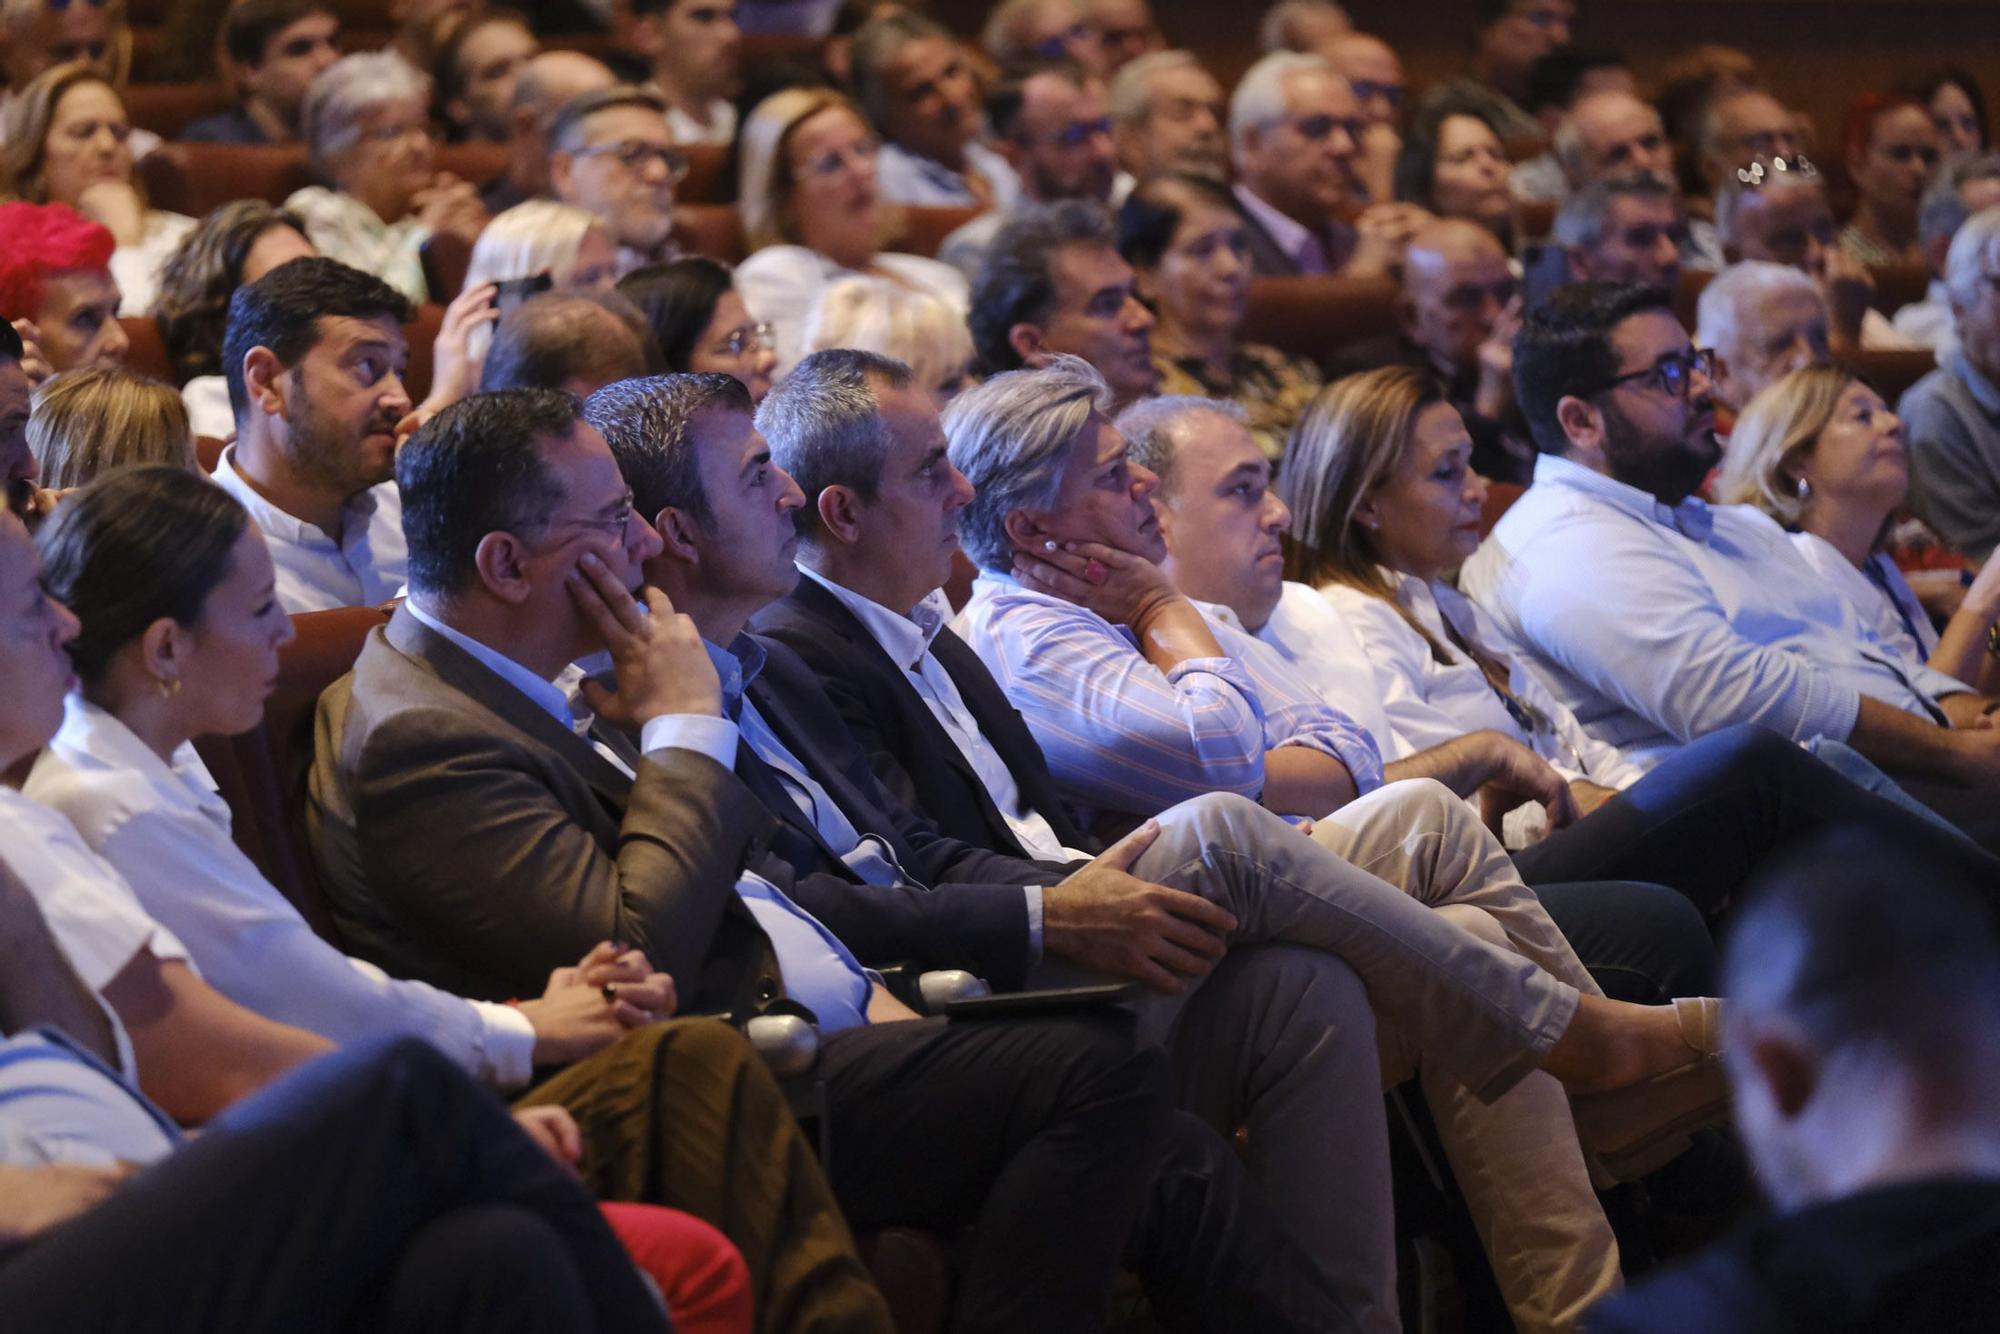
{"x": 1704, "y": 820}
{"x": 375, "y": 1188}
{"x": 1642, "y": 943}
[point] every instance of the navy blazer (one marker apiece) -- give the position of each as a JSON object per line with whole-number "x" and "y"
{"x": 907, "y": 747}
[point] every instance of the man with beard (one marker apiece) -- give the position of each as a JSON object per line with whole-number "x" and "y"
{"x": 1657, "y": 618}
{"x": 314, "y": 356}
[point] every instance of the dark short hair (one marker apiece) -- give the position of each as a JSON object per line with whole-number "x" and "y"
{"x": 646, "y": 422}
{"x": 678, "y": 299}
{"x": 566, "y": 124}
{"x": 477, "y": 468}
{"x": 252, "y": 24}
{"x": 1416, "y": 165}
{"x": 1152, "y": 213}
{"x": 1554, "y": 79}
{"x": 136, "y": 545}
{"x": 199, "y": 277}
{"x": 282, "y": 310}
{"x": 1007, "y": 98}
{"x": 824, "y": 424}
{"x": 1925, "y": 87}
{"x": 1016, "y": 283}
{"x": 1564, "y": 348}
{"x": 447, "y": 79}
{"x": 549, "y": 340}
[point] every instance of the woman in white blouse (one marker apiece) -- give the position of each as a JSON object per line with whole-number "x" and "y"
{"x": 813, "y": 214}
{"x": 1820, "y": 452}
{"x": 65, "y": 139}
{"x": 1384, "y": 507}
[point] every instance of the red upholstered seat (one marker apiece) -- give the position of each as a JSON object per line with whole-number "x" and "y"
{"x": 196, "y": 178}
{"x": 714, "y": 230}
{"x": 1321, "y": 318}
{"x": 711, "y": 177}
{"x": 168, "y": 108}
{"x": 148, "y": 354}
{"x": 923, "y": 229}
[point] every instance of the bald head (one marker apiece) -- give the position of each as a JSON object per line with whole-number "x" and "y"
{"x": 1372, "y": 70}
{"x": 1455, "y": 284}
{"x": 555, "y": 77}
{"x": 1613, "y": 133}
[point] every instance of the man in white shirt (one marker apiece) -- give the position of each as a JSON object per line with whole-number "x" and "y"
{"x": 612, "y": 155}
{"x": 314, "y": 356}
{"x": 1657, "y": 619}
{"x": 696, "y": 51}
{"x": 912, "y": 79}
{"x": 1963, "y": 186}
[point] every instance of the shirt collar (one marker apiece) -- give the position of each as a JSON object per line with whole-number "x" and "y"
{"x": 906, "y": 639}
{"x": 736, "y": 667}
{"x": 1982, "y": 389}
{"x": 1292, "y": 236}
{"x": 1692, "y": 518}
{"x": 547, "y": 695}
{"x": 102, "y": 736}
{"x": 354, "y": 515}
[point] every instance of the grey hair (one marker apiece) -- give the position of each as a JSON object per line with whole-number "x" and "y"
{"x": 1016, "y": 282}
{"x": 873, "y": 46}
{"x": 647, "y": 423}
{"x": 1131, "y": 87}
{"x": 1148, "y": 428}
{"x": 1719, "y": 312}
{"x": 1002, "y": 34}
{"x": 916, "y": 327}
{"x": 1579, "y": 223}
{"x": 824, "y": 425}
{"x": 1944, "y": 211}
{"x": 1279, "y": 29}
{"x": 566, "y": 122}
{"x": 1567, "y": 144}
{"x": 346, "y": 91}
{"x": 1010, "y": 437}
{"x": 1259, "y": 99}
{"x": 1974, "y": 254}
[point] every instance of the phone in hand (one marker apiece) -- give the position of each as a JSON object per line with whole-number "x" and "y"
{"x": 511, "y": 292}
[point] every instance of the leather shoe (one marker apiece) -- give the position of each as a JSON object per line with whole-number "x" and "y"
{"x": 1630, "y": 1131}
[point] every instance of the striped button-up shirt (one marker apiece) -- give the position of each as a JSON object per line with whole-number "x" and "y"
{"x": 1120, "y": 734}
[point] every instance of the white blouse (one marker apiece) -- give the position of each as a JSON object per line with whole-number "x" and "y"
{"x": 136, "y": 267}
{"x": 1880, "y": 595}
{"x": 780, "y": 284}
{"x": 166, "y": 830}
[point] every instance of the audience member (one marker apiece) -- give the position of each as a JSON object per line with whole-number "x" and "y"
{"x": 423, "y": 25}
{"x": 531, "y": 242}
{"x": 1054, "y": 283}
{"x": 272, "y": 50}
{"x": 89, "y": 422}
{"x": 36, "y": 36}
{"x": 1460, "y": 309}
{"x": 366, "y": 124}
{"x": 1190, "y": 249}
{"x": 475, "y": 72}
{"x": 1453, "y": 165}
{"x": 1304, "y": 26}
{"x": 55, "y": 275}
{"x": 1821, "y": 453}
{"x": 1762, "y": 321}
{"x": 913, "y": 80}
{"x": 1022, "y": 33}
{"x": 611, "y": 154}
{"x": 810, "y": 200}
{"x": 1892, "y": 150}
{"x": 26, "y": 500}
{"x": 699, "y": 322}
{"x": 887, "y": 319}
{"x": 1739, "y": 125}
{"x": 1166, "y": 115}
{"x": 1557, "y": 83}
{"x": 1053, "y": 126}
{"x": 1776, "y": 209}
{"x": 576, "y": 344}
{"x": 63, "y": 140}
{"x": 1862, "y": 1040}
{"x": 314, "y": 358}
{"x": 1957, "y": 108}
{"x": 547, "y": 83}
{"x": 1125, "y": 31}
{"x": 1953, "y": 414}
{"x": 1966, "y": 184}
{"x": 1690, "y": 86}
{"x": 1719, "y": 621}
{"x": 230, "y": 248}
{"x": 1625, "y": 229}
{"x": 1508, "y": 38}
{"x": 1612, "y": 134}
{"x": 695, "y": 50}
{"x": 1375, "y": 75}
{"x": 1295, "y": 127}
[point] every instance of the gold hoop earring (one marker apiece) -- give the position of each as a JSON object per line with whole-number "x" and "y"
{"x": 169, "y": 686}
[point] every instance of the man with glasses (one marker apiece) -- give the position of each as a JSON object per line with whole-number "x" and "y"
{"x": 1166, "y": 115}
{"x": 1375, "y": 76}
{"x": 1296, "y": 128}
{"x": 1658, "y": 619}
{"x": 1020, "y": 33}
{"x": 314, "y": 355}
{"x": 1623, "y": 230}
{"x": 548, "y": 82}
{"x": 612, "y": 155}
{"x": 1125, "y": 30}
{"x": 1054, "y": 128}
{"x": 1953, "y": 414}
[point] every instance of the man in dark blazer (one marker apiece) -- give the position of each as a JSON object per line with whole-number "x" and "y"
{"x": 471, "y": 826}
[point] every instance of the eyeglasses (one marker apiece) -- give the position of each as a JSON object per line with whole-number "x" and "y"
{"x": 1366, "y": 90}
{"x": 1471, "y": 297}
{"x": 1762, "y": 171}
{"x": 836, "y": 160}
{"x": 635, "y": 155}
{"x": 1058, "y": 46}
{"x": 389, "y": 134}
{"x": 754, "y": 337}
{"x": 1079, "y": 133}
{"x": 60, "y": 5}
{"x": 613, "y": 526}
{"x": 1316, "y": 129}
{"x": 1671, "y": 374}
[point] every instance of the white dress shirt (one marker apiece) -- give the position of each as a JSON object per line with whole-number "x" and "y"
{"x": 907, "y": 641}
{"x": 90, "y": 910}
{"x": 1879, "y": 594}
{"x": 719, "y": 130}
{"x": 1317, "y": 642}
{"x": 781, "y": 284}
{"x": 136, "y": 267}
{"x": 59, "y": 1104}
{"x": 1655, "y": 625}
{"x": 206, "y": 398}
{"x": 165, "y": 828}
{"x": 365, "y": 567}
{"x": 902, "y": 177}
{"x": 1927, "y": 323}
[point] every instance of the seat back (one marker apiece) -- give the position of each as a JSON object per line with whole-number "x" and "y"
{"x": 148, "y": 353}
{"x": 714, "y": 230}
{"x": 1890, "y": 370}
{"x": 262, "y": 773}
{"x": 923, "y": 230}
{"x": 711, "y": 177}
{"x": 168, "y": 108}
{"x": 1322, "y": 318}
{"x": 197, "y": 178}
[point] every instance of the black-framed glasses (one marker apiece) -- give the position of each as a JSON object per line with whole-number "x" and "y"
{"x": 1366, "y": 90}
{"x": 1316, "y": 129}
{"x": 1672, "y": 374}
{"x": 636, "y": 155}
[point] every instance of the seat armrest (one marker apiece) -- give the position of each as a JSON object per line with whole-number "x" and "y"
{"x": 788, "y": 1044}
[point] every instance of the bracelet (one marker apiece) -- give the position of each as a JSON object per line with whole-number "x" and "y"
{"x": 1993, "y": 639}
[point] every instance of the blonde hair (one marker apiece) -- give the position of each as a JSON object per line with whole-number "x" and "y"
{"x": 86, "y": 423}
{"x": 24, "y": 128}
{"x": 1777, "y": 428}
{"x": 538, "y": 236}
{"x": 920, "y": 329}
{"x": 764, "y": 182}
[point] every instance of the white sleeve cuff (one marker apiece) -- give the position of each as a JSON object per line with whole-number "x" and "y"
{"x": 508, "y": 1048}
{"x": 702, "y": 733}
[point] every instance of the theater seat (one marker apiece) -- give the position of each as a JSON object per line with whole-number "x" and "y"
{"x": 446, "y": 257}
{"x": 208, "y": 451}
{"x": 197, "y": 178}
{"x": 923, "y": 230}
{"x": 168, "y": 108}
{"x": 262, "y": 773}
{"x": 1890, "y": 371}
{"x": 709, "y": 179}
{"x": 714, "y": 230}
{"x": 1898, "y": 285}
{"x": 1499, "y": 496}
{"x": 148, "y": 354}
{"x": 422, "y": 331}
{"x": 1687, "y": 294}
{"x": 476, "y": 163}
{"x": 1322, "y": 318}
{"x": 1535, "y": 218}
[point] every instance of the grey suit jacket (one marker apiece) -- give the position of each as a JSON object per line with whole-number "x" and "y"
{"x": 469, "y": 839}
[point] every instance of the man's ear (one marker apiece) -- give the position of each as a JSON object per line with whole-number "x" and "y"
{"x": 263, "y": 381}
{"x": 1406, "y": 315}
{"x": 498, "y": 559}
{"x": 680, "y": 535}
{"x": 1581, "y": 422}
{"x": 561, "y": 174}
{"x": 1024, "y": 529}
{"x": 1026, "y": 340}
{"x": 1787, "y": 1068}
{"x": 839, "y": 510}
{"x": 1573, "y": 265}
